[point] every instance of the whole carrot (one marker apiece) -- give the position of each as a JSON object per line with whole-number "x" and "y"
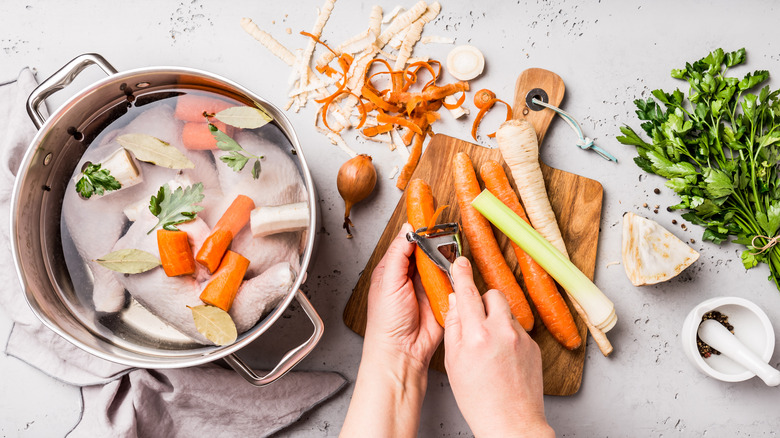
{"x": 419, "y": 211}
{"x": 221, "y": 290}
{"x": 550, "y": 305}
{"x": 482, "y": 242}
{"x": 197, "y": 136}
{"x": 175, "y": 253}
{"x": 232, "y": 221}
{"x": 190, "y": 107}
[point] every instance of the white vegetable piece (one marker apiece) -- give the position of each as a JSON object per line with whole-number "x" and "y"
{"x": 279, "y": 219}
{"x": 465, "y": 62}
{"x": 457, "y": 112}
{"x": 651, "y": 254}
{"x": 121, "y": 166}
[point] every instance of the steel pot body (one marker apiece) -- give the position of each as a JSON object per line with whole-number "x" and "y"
{"x": 37, "y": 203}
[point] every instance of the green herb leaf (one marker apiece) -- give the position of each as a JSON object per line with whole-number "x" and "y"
{"x": 155, "y": 151}
{"x": 175, "y": 207}
{"x": 224, "y": 141}
{"x": 129, "y": 261}
{"x": 234, "y": 160}
{"x": 96, "y": 181}
{"x": 256, "y": 170}
{"x": 749, "y": 259}
{"x": 237, "y": 157}
{"x": 215, "y": 324}
{"x": 245, "y": 117}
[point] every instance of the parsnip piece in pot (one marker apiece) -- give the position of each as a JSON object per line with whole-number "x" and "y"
{"x": 279, "y": 219}
{"x": 122, "y": 167}
{"x": 651, "y": 254}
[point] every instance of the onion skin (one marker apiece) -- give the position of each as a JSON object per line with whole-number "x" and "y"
{"x": 356, "y": 181}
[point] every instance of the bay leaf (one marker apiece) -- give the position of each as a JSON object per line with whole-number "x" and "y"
{"x": 215, "y": 324}
{"x": 155, "y": 151}
{"x": 129, "y": 261}
{"x": 244, "y": 117}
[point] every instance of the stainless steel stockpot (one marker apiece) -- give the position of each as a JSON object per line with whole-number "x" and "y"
{"x": 36, "y": 207}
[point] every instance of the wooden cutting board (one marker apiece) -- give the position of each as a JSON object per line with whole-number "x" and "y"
{"x": 575, "y": 200}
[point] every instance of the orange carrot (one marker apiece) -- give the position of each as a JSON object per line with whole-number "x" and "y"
{"x": 419, "y": 211}
{"x": 484, "y": 248}
{"x": 190, "y": 107}
{"x": 223, "y": 286}
{"x": 228, "y": 226}
{"x": 175, "y": 253}
{"x": 197, "y": 135}
{"x": 549, "y": 303}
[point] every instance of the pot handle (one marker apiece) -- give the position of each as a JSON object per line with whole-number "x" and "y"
{"x": 59, "y": 80}
{"x": 292, "y": 358}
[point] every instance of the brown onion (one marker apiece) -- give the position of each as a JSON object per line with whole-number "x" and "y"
{"x": 355, "y": 181}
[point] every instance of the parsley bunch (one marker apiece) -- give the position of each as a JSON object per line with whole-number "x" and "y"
{"x": 719, "y": 149}
{"x": 96, "y": 181}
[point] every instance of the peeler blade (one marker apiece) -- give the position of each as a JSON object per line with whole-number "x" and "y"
{"x": 432, "y": 240}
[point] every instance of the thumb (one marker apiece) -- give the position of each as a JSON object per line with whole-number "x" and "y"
{"x": 452, "y": 325}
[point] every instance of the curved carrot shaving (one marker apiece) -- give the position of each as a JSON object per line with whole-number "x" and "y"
{"x": 427, "y": 65}
{"x": 327, "y": 70}
{"x": 457, "y": 104}
{"x": 483, "y": 110}
{"x": 411, "y": 164}
{"x": 304, "y": 33}
{"x": 435, "y": 217}
{"x": 377, "y": 100}
{"x": 383, "y": 117}
{"x": 508, "y": 115}
{"x": 331, "y": 98}
{"x": 373, "y": 131}
{"x": 432, "y": 93}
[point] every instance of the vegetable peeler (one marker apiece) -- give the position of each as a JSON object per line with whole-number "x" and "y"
{"x": 432, "y": 240}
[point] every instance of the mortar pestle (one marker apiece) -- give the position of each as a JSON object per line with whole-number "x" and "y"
{"x": 720, "y": 338}
{"x": 745, "y": 353}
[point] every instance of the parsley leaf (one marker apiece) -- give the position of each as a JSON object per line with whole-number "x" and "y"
{"x": 96, "y": 181}
{"x": 177, "y": 206}
{"x": 238, "y": 156}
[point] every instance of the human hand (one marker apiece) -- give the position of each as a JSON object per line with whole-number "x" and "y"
{"x": 400, "y": 320}
{"x": 401, "y": 336}
{"x": 494, "y": 367}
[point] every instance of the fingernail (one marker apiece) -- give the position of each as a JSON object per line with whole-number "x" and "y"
{"x": 453, "y": 300}
{"x": 406, "y": 227}
{"x": 463, "y": 262}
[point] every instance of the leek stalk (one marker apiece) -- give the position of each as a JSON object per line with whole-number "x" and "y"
{"x": 599, "y": 308}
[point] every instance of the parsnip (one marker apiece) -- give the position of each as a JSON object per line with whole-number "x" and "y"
{"x": 375, "y": 20}
{"x": 122, "y": 167}
{"x": 279, "y": 219}
{"x": 520, "y": 149}
{"x": 268, "y": 41}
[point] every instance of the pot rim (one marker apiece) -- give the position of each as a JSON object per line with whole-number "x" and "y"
{"x": 204, "y": 354}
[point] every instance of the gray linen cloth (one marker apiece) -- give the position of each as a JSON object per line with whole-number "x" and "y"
{"x": 127, "y": 402}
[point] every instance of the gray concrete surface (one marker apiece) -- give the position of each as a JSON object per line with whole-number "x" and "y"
{"x": 608, "y": 53}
